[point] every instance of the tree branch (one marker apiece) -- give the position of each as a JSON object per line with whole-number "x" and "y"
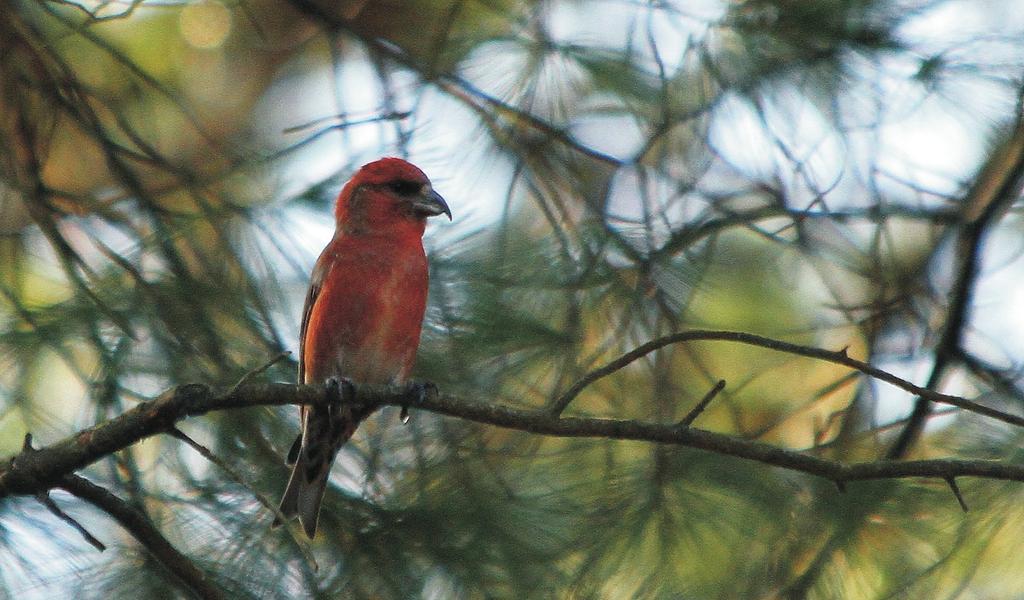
{"x": 42, "y": 469}
{"x": 839, "y": 357}
{"x": 146, "y": 533}
{"x": 535, "y": 421}
{"x": 997, "y": 186}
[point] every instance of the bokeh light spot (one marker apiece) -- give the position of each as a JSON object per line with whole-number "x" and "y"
{"x": 205, "y": 24}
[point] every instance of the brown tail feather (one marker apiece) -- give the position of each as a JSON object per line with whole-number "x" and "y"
{"x": 302, "y": 497}
{"x": 324, "y": 432}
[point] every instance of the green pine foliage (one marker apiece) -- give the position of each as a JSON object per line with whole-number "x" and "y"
{"x": 619, "y": 171}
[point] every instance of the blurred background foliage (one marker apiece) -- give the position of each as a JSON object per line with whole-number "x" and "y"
{"x": 619, "y": 170}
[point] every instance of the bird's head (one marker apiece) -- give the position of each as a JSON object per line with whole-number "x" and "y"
{"x": 388, "y": 195}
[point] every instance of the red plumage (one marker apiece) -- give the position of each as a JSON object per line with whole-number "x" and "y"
{"x": 363, "y": 312}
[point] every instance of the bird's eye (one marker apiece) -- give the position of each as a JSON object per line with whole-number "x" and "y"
{"x": 404, "y": 188}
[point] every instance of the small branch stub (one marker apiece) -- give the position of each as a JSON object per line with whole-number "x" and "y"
{"x": 951, "y": 481}
{"x": 702, "y": 405}
{"x": 45, "y": 499}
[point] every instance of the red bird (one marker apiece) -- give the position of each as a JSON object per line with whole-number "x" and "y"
{"x": 363, "y": 312}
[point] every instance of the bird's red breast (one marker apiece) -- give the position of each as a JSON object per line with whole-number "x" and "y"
{"x": 365, "y": 324}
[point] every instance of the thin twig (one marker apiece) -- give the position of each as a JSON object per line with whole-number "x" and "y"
{"x": 194, "y": 579}
{"x": 342, "y": 122}
{"x": 951, "y": 481}
{"x": 258, "y": 370}
{"x": 237, "y": 478}
{"x": 231, "y": 473}
{"x": 703, "y": 404}
{"x": 997, "y": 187}
{"x": 750, "y": 339}
{"x": 45, "y": 499}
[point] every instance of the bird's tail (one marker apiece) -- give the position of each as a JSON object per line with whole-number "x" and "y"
{"x": 323, "y": 434}
{"x": 303, "y": 496}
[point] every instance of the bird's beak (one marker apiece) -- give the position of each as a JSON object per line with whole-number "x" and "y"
{"x": 430, "y": 204}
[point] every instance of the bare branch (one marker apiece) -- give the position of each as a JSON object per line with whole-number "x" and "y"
{"x": 703, "y": 404}
{"x": 45, "y": 499}
{"x": 838, "y": 357}
{"x": 32, "y": 472}
{"x": 231, "y": 473}
{"x": 951, "y": 481}
{"x": 997, "y": 186}
{"x": 237, "y": 477}
{"x": 258, "y": 370}
{"x": 544, "y": 423}
{"x": 143, "y": 530}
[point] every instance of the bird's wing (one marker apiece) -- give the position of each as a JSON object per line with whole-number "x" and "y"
{"x": 316, "y": 282}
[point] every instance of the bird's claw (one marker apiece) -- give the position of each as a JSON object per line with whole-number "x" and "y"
{"x": 339, "y": 390}
{"x": 420, "y": 391}
{"x": 340, "y": 394}
{"x": 423, "y": 390}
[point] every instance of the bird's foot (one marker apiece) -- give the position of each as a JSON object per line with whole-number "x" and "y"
{"x": 340, "y": 394}
{"x": 419, "y": 391}
{"x": 340, "y": 390}
{"x": 423, "y": 390}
